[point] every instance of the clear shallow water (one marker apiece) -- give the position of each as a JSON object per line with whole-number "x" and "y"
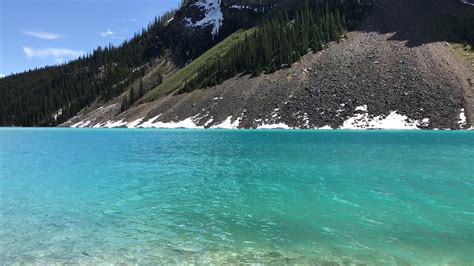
{"x": 138, "y": 196}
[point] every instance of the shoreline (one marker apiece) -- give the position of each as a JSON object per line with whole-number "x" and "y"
{"x": 248, "y": 129}
{"x": 361, "y": 119}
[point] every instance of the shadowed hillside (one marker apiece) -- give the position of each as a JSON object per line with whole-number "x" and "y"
{"x": 424, "y": 21}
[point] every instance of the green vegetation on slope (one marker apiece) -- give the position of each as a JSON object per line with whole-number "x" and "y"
{"x": 179, "y": 79}
{"x": 465, "y": 52}
{"x": 458, "y": 30}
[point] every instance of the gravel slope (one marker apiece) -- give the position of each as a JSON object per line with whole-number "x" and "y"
{"x": 395, "y": 62}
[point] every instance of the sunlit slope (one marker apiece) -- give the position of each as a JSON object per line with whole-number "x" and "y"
{"x": 178, "y": 80}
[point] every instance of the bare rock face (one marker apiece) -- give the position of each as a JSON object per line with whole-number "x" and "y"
{"x": 391, "y": 73}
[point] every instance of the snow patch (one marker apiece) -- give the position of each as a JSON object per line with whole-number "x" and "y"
{"x": 462, "y": 119}
{"x": 244, "y": 7}
{"x": 98, "y": 125}
{"x": 228, "y": 124}
{"x": 325, "y": 128}
{"x": 306, "y": 119}
{"x": 254, "y": 9}
{"x": 425, "y": 122}
{"x": 81, "y": 124}
{"x": 392, "y": 121}
{"x": 57, "y": 114}
{"x": 274, "y": 114}
{"x": 149, "y": 122}
{"x": 270, "y": 123}
{"x": 467, "y": 2}
{"x": 209, "y": 122}
{"x": 362, "y": 108}
{"x": 135, "y": 123}
{"x": 186, "y": 123}
{"x": 114, "y": 124}
{"x": 274, "y": 126}
{"x": 212, "y": 17}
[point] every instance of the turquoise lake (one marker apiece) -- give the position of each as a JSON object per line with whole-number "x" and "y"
{"x": 236, "y": 196}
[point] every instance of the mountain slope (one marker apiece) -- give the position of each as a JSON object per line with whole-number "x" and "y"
{"x": 178, "y": 80}
{"x": 401, "y": 68}
{"x": 396, "y": 71}
{"x": 51, "y": 95}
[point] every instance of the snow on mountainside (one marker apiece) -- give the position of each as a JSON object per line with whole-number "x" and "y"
{"x": 469, "y": 2}
{"x": 256, "y": 10}
{"x": 213, "y": 15}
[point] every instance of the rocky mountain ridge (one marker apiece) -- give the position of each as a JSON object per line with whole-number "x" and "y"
{"x": 386, "y": 75}
{"x": 399, "y": 69}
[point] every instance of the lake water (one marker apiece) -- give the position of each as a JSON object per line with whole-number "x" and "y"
{"x": 221, "y": 196}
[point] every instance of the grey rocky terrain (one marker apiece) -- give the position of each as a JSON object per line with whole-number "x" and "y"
{"x": 393, "y": 67}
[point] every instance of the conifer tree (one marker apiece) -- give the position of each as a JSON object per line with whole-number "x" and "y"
{"x": 141, "y": 89}
{"x": 131, "y": 97}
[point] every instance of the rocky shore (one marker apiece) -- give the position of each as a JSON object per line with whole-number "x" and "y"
{"x": 390, "y": 74}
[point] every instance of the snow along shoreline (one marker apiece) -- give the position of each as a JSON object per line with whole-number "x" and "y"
{"x": 361, "y": 120}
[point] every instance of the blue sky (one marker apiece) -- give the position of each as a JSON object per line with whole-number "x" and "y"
{"x": 36, "y": 33}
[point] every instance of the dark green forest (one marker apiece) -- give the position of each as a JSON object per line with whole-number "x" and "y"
{"x": 30, "y": 98}
{"x": 51, "y": 95}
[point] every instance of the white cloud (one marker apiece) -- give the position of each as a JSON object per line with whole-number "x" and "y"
{"x": 111, "y": 34}
{"x": 51, "y": 52}
{"x": 43, "y": 35}
{"x": 107, "y": 33}
{"x": 2, "y": 76}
